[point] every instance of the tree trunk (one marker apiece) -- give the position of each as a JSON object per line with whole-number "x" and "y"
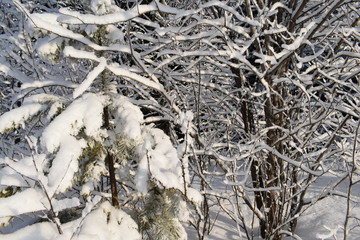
{"x": 109, "y": 159}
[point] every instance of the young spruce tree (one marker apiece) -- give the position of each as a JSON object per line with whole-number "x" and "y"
{"x": 80, "y": 139}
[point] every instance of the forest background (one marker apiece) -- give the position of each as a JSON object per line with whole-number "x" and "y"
{"x": 159, "y": 118}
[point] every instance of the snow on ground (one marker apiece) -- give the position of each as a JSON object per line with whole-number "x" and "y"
{"x": 328, "y": 215}
{"x": 40, "y": 231}
{"x": 324, "y": 220}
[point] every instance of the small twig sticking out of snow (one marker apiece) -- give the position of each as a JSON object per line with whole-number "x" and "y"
{"x": 85, "y": 212}
{"x": 293, "y": 235}
{"x": 332, "y": 233}
{"x": 53, "y": 215}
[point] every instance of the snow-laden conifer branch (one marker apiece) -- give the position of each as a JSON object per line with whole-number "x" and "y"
{"x": 17, "y": 117}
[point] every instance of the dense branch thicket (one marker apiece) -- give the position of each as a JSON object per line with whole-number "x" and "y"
{"x": 259, "y": 96}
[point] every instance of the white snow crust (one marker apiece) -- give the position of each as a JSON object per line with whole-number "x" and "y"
{"x": 128, "y": 119}
{"x": 65, "y": 164}
{"x": 84, "y": 113}
{"x": 17, "y": 117}
{"x": 39, "y": 231}
{"x": 29, "y": 200}
{"x": 48, "y": 45}
{"x": 108, "y": 223}
{"x": 158, "y": 161}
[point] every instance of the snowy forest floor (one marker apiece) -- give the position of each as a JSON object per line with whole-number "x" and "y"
{"x": 323, "y": 220}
